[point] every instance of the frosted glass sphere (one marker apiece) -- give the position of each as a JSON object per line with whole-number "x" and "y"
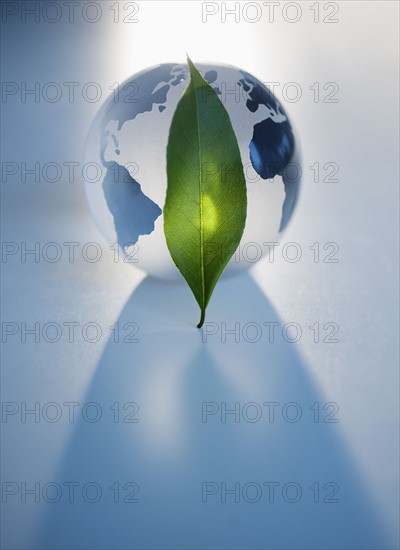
{"x": 127, "y": 145}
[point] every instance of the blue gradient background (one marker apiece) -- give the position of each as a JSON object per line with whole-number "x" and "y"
{"x": 170, "y": 372}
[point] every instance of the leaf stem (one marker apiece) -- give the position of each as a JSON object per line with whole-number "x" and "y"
{"x": 203, "y": 315}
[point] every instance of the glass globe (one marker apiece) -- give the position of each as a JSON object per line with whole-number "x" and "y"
{"x": 127, "y": 145}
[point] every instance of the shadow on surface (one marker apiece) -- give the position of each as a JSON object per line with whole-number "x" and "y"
{"x": 170, "y": 373}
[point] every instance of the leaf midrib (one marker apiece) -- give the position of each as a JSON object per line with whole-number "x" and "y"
{"x": 203, "y": 286}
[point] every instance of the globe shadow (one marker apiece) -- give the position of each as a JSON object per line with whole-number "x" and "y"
{"x": 200, "y": 396}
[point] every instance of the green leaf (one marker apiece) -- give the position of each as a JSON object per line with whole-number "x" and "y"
{"x": 205, "y": 208}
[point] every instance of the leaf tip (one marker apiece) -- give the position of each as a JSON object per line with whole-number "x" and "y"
{"x": 192, "y": 66}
